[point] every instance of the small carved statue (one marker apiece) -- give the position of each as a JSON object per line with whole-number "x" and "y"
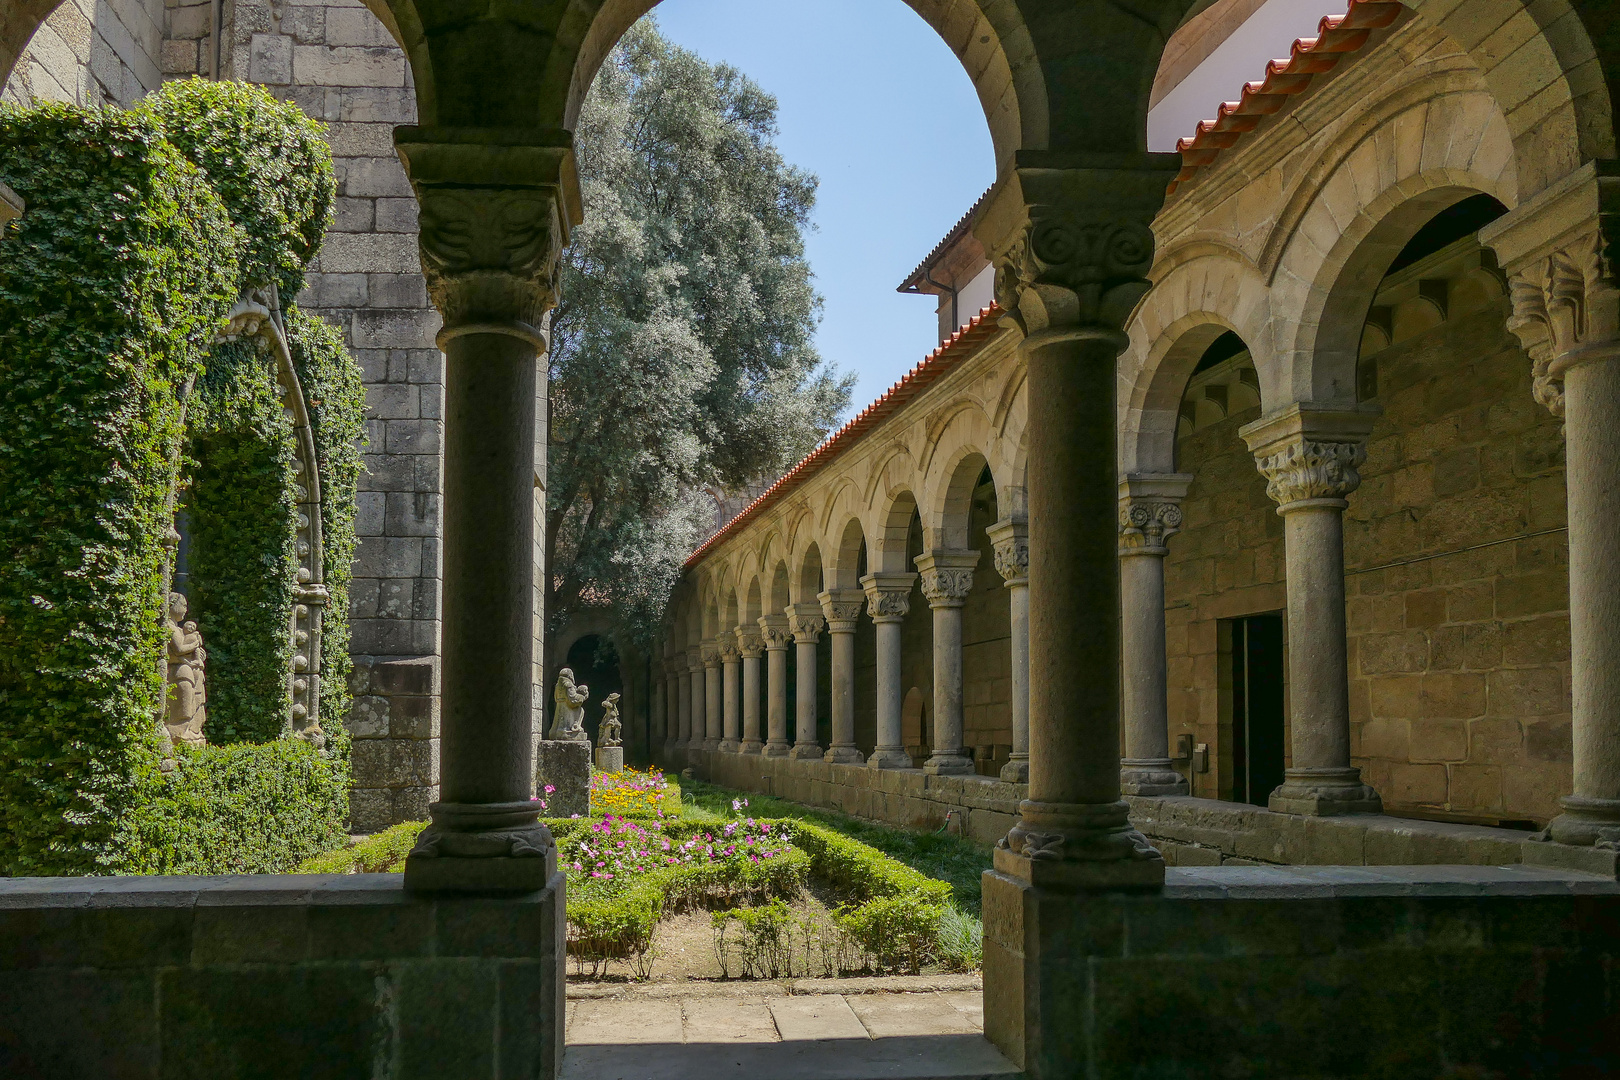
{"x": 609, "y": 732}
{"x": 569, "y": 722}
{"x": 187, "y": 690}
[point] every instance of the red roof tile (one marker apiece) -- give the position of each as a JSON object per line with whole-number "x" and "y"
{"x": 963, "y": 344}
{"x": 1336, "y": 38}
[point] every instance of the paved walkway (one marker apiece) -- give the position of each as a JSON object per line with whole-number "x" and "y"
{"x": 878, "y": 1029}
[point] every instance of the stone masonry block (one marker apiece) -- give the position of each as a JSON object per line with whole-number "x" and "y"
{"x": 270, "y": 60}
{"x": 335, "y": 290}
{"x": 412, "y": 514}
{"x": 407, "y": 290}
{"x": 387, "y": 105}
{"x": 180, "y": 58}
{"x": 352, "y": 140}
{"x": 389, "y": 557}
{"x": 375, "y": 177}
{"x": 392, "y": 401}
{"x": 355, "y": 26}
{"x": 405, "y": 678}
{"x": 397, "y": 215}
{"x": 398, "y": 329}
{"x": 368, "y": 717}
{"x": 353, "y": 215}
{"x": 364, "y": 253}
{"x": 412, "y": 436}
{"x": 348, "y": 66}
{"x": 363, "y": 599}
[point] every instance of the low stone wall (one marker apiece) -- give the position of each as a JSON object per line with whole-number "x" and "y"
{"x": 1189, "y": 831}
{"x": 395, "y": 724}
{"x": 317, "y": 977}
{"x": 1453, "y": 971}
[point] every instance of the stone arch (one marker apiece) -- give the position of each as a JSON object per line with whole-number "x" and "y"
{"x": 780, "y": 593}
{"x": 951, "y": 498}
{"x": 730, "y": 610}
{"x": 892, "y": 532}
{"x": 843, "y": 567}
{"x": 807, "y": 579}
{"x": 1189, "y": 306}
{"x": 1437, "y": 153}
{"x": 753, "y": 602}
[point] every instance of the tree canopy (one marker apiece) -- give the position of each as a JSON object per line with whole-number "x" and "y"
{"x": 681, "y": 354}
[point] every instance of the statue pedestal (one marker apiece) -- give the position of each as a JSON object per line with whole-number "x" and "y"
{"x": 566, "y": 766}
{"x": 610, "y": 758}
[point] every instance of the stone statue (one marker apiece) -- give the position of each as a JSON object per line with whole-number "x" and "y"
{"x": 569, "y": 722}
{"x": 187, "y": 690}
{"x": 608, "y": 735}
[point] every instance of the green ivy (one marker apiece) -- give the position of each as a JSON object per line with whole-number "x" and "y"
{"x": 111, "y": 286}
{"x": 268, "y": 161}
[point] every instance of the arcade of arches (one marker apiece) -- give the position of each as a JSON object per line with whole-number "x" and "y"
{"x": 1294, "y": 488}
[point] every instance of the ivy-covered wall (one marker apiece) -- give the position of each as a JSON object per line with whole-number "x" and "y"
{"x": 143, "y": 227}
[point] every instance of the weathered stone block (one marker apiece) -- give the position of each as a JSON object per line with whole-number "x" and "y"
{"x": 565, "y": 766}
{"x": 610, "y": 759}
{"x": 271, "y": 60}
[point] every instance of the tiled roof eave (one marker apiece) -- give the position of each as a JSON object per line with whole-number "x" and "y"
{"x": 964, "y": 344}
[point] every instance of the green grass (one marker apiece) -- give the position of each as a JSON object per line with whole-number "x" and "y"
{"x": 946, "y": 858}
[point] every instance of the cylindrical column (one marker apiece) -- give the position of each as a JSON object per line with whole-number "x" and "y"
{"x": 947, "y": 579}
{"x": 842, "y": 608}
{"x": 1592, "y": 475}
{"x": 731, "y": 702}
{"x": 697, "y": 697}
{"x": 750, "y": 645}
{"x": 807, "y": 624}
{"x": 888, "y": 599}
{"x": 774, "y": 630}
{"x": 672, "y": 705}
{"x": 1309, "y": 457}
{"x": 1149, "y": 513}
{"x": 712, "y": 693}
{"x": 1011, "y": 539}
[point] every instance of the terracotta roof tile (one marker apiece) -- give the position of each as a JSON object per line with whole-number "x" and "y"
{"x": 1336, "y": 38}
{"x": 963, "y": 344}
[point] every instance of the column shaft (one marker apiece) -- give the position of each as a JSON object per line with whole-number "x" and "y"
{"x": 947, "y": 579}
{"x": 713, "y": 692}
{"x": 776, "y": 637}
{"x": 732, "y": 705}
{"x": 1011, "y": 539}
{"x": 807, "y": 624}
{"x": 1149, "y": 514}
{"x": 842, "y": 609}
{"x": 751, "y": 742}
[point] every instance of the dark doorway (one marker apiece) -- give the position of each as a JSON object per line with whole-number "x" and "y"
{"x": 1257, "y": 707}
{"x": 595, "y": 663}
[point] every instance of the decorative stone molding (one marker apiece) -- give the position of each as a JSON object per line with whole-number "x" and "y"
{"x": 726, "y": 645}
{"x": 1011, "y": 539}
{"x": 775, "y": 632}
{"x": 710, "y": 653}
{"x": 1309, "y": 453}
{"x": 694, "y": 660}
{"x": 750, "y": 642}
{"x": 1150, "y": 511}
{"x": 1559, "y": 250}
{"x": 1062, "y": 269}
{"x": 888, "y": 596}
{"x": 842, "y": 607}
{"x": 806, "y": 622}
{"x": 947, "y": 576}
{"x": 494, "y": 221}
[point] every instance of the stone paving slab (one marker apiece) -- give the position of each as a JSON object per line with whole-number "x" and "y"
{"x": 820, "y": 1016}
{"x": 595, "y": 1023}
{"x": 890, "y": 1015}
{"x": 875, "y": 984}
{"x": 723, "y": 1020}
{"x": 933, "y": 1057}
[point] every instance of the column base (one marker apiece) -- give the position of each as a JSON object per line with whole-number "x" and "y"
{"x": 889, "y": 757}
{"x": 1082, "y": 846}
{"x": 949, "y": 765}
{"x": 728, "y": 746}
{"x": 1587, "y": 822}
{"x": 708, "y": 744}
{"x": 482, "y": 847}
{"x": 777, "y": 749}
{"x": 1324, "y": 793}
{"x": 805, "y": 752}
{"x": 750, "y": 746}
{"x": 844, "y": 755}
{"x": 1016, "y": 771}
{"x": 1150, "y": 776}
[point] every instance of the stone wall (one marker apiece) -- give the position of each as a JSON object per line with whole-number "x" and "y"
{"x": 93, "y": 52}
{"x": 337, "y": 976}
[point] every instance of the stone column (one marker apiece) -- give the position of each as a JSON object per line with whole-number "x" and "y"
{"x": 807, "y": 623}
{"x": 774, "y": 630}
{"x": 683, "y": 705}
{"x": 1558, "y": 250}
{"x": 888, "y": 599}
{"x": 1149, "y": 513}
{"x": 731, "y": 704}
{"x": 712, "y": 691}
{"x": 1011, "y": 539}
{"x": 842, "y": 608}
{"x": 698, "y": 697}
{"x": 750, "y": 645}
{"x": 1309, "y": 454}
{"x": 672, "y": 704}
{"x": 947, "y": 578}
{"x": 494, "y": 221}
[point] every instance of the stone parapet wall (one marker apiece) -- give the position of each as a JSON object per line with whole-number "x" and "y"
{"x": 395, "y": 725}
{"x": 333, "y": 976}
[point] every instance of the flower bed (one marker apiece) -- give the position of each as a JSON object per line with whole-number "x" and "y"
{"x": 632, "y": 793}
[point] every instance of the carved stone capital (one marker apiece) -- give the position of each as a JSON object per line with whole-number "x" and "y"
{"x": 842, "y": 608}
{"x": 947, "y": 576}
{"x": 1150, "y": 511}
{"x": 494, "y": 220}
{"x": 1011, "y": 540}
{"x": 1560, "y": 250}
{"x": 694, "y": 660}
{"x": 775, "y": 632}
{"x": 749, "y": 642}
{"x": 710, "y": 652}
{"x": 888, "y": 596}
{"x": 806, "y": 622}
{"x": 1073, "y": 243}
{"x": 726, "y": 645}
{"x": 1309, "y": 453}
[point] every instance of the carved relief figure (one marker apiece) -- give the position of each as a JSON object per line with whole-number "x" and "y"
{"x": 187, "y": 690}
{"x": 569, "y": 722}
{"x": 608, "y": 735}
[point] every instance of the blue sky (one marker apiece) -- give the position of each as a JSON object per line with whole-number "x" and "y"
{"x": 888, "y": 120}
